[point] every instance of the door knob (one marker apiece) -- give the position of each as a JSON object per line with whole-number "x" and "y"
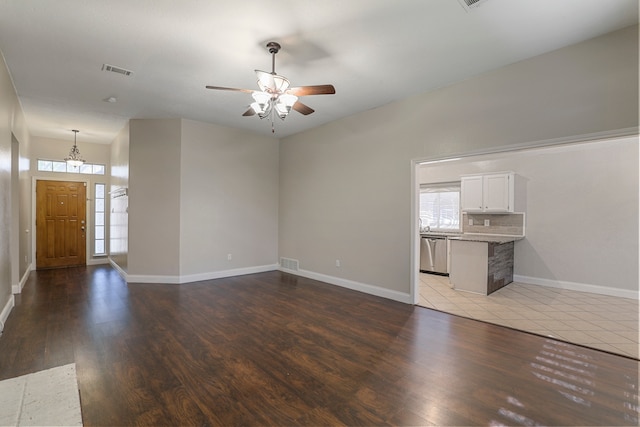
{"x": 82, "y": 228}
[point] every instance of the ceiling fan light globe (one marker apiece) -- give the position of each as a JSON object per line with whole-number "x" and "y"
{"x": 256, "y": 107}
{"x": 288, "y": 100}
{"x": 282, "y": 109}
{"x": 261, "y": 98}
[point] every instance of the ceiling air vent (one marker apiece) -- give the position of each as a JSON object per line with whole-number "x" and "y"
{"x": 469, "y": 5}
{"x": 117, "y": 70}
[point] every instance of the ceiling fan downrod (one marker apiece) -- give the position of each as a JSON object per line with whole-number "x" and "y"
{"x": 273, "y": 49}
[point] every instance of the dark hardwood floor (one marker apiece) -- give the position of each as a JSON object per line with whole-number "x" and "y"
{"x": 276, "y": 349}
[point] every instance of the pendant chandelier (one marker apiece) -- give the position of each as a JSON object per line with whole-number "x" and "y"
{"x": 74, "y": 159}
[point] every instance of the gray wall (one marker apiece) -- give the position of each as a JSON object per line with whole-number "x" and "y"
{"x": 197, "y": 192}
{"x": 12, "y": 130}
{"x": 228, "y": 199}
{"x": 346, "y": 186}
{"x": 154, "y": 197}
{"x": 24, "y": 223}
{"x": 7, "y": 105}
{"x": 581, "y": 205}
{"x": 24, "y": 256}
{"x": 119, "y": 217}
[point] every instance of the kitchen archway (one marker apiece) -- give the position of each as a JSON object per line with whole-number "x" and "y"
{"x": 554, "y": 264}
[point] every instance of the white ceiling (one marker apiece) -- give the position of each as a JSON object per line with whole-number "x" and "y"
{"x": 373, "y": 52}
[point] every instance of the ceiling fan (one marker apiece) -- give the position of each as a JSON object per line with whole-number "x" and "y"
{"x": 276, "y": 97}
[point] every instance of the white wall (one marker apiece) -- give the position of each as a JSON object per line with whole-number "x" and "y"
{"x": 228, "y": 199}
{"x": 581, "y": 204}
{"x": 346, "y": 186}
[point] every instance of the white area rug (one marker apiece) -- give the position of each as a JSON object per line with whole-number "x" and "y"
{"x": 45, "y": 398}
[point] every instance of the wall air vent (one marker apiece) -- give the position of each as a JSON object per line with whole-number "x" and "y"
{"x": 469, "y": 5}
{"x": 117, "y": 70}
{"x": 289, "y": 264}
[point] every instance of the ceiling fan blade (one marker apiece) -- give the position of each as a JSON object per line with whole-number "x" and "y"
{"x": 230, "y": 88}
{"x": 249, "y": 112}
{"x": 312, "y": 90}
{"x": 302, "y": 109}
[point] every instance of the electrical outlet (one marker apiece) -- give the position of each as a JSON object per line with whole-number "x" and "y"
{"x": 337, "y": 263}
{"x": 470, "y": 221}
{"x": 229, "y": 257}
{"x": 487, "y": 222}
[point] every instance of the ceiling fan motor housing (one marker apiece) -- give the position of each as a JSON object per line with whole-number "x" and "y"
{"x": 273, "y": 47}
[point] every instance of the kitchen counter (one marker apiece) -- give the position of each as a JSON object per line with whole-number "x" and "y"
{"x": 439, "y": 234}
{"x": 472, "y": 237}
{"x": 481, "y": 265}
{"x": 490, "y": 238}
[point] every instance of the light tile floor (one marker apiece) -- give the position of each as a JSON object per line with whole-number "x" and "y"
{"x": 597, "y": 321}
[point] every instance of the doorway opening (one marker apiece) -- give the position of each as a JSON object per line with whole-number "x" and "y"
{"x": 559, "y": 289}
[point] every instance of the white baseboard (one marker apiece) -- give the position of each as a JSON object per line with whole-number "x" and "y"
{"x": 98, "y": 261}
{"x": 189, "y": 278}
{"x": 581, "y": 287}
{"x": 148, "y": 278}
{"x": 227, "y": 273}
{"x": 16, "y": 289}
{"x": 4, "y": 314}
{"x": 353, "y": 285}
{"x": 116, "y": 267}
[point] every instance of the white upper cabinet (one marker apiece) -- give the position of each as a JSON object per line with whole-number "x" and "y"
{"x": 471, "y": 193}
{"x": 488, "y": 193}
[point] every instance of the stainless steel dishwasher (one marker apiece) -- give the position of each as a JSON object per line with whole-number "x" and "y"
{"x": 433, "y": 254}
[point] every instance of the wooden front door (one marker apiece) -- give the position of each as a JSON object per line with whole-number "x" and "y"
{"x": 60, "y": 224}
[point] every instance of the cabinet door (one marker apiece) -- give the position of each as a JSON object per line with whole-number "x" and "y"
{"x": 471, "y": 193}
{"x": 496, "y": 193}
